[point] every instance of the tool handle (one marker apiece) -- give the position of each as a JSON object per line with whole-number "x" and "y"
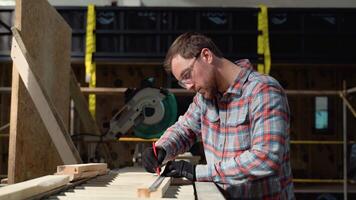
{"x": 158, "y": 170}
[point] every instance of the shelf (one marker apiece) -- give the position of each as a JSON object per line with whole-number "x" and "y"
{"x": 323, "y": 188}
{"x": 135, "y": 139}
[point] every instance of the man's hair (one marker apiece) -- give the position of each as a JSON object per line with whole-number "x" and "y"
{"x": 189, "y": 45}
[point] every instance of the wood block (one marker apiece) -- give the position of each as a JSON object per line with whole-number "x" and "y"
{"x": 48, "y": 40}
{"x": 144, "y": 192}
{"x": 33, "y": 187}
{"x": 89, "y": 174}
{"x": 80, "y": 168}
{"x": 81, "y": 171}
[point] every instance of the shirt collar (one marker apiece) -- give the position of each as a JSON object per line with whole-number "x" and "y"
{"x": 246, "y": 69}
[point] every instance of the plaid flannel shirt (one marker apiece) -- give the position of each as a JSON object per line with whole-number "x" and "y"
{"x": 245, "y": 134}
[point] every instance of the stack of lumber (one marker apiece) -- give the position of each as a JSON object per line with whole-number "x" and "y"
{"x": 65, "y": 174}
{"x": 125, "y": 184}
{"x": 119, "y": 184}
{"x": 80, "y": 171}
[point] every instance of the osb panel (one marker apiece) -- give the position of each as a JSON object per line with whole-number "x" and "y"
{"x": 48, "y": 40}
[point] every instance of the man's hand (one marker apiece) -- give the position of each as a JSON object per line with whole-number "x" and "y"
{"x": 178, "y": 169}
{"x": 149, "y": 160}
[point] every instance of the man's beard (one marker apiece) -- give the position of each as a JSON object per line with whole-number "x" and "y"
{"x": 209, "y": 94}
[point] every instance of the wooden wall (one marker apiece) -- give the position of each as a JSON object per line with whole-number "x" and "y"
{"x": 316, "y": 160}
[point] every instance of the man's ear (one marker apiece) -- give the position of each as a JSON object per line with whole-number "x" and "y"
{"x": 207, "y": 55}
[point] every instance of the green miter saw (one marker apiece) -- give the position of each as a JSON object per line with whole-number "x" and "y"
{"x": 149, "y": 110}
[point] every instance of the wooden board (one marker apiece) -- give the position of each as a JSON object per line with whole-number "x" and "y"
{"x": 207, "y": 191}
{"x": 44, "y": 106}
{"x": 88, "y": 174}
{"x": 144, "y": 181}
{"x": 80, "y": 171}
{"x": 144, "y": 192}
{"x": 80, "y": 168}
{"x": 89, "y": 124}
{"x": 81, "y": 105}
{"x": 48, "y": 39}
{"x": 27, "y": 189}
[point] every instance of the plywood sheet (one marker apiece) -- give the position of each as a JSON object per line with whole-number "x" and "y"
{"x": 48, "y": 39}
{"x": 27, "y": 189}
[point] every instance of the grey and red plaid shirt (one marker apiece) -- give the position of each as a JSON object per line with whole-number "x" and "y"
{"x": 245, "y": 134}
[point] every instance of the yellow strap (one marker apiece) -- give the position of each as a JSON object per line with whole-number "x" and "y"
{"x": 90, "y": 47}
{"x": 263, "y": 41}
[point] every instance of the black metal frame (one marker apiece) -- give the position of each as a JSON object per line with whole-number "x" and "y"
{"x": 297, "y": 35}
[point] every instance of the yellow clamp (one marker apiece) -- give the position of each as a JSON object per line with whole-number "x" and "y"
{"x": 90, "y": 47}
{"x": 263, "y": 41}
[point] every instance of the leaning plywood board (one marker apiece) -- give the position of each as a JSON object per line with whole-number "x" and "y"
{"x": 48, "y": 40}
{"x": 27, "y": 189}
{"x": 48, "y": 113}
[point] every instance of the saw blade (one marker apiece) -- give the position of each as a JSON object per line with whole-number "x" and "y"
{"x": 156, "y": 130}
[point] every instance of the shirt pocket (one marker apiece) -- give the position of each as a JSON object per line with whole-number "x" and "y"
{"x": 237, "y": 116}
{"x": 212, "y": 115}
{"x": 238, "y": 129}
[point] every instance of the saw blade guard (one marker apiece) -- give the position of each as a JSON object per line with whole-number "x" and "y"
{"x": 153, "y": 129}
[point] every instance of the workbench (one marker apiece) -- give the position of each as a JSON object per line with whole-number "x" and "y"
{"x": 127, "y": 183}
{"x": 116, "y": 185}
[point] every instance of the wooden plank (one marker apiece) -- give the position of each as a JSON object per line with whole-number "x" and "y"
{"x": 33, "y": 187}
{"x": 88, "y": 174}
{"x": 48, "y": 39}
{"x": 145, "y": 192}
{"x": 48, "y": 113}
{"x": 81, "y": 106}
{"x": 81, "y": 171}
{"x": 207, "y": 191}
{"x": 89, "y": 124}
{"x": 80, "y": 168}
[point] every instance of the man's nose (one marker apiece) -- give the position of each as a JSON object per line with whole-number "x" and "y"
{"x": 190, "y": 86}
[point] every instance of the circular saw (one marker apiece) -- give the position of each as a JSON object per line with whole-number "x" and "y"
{"x": 150, "y": 111}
